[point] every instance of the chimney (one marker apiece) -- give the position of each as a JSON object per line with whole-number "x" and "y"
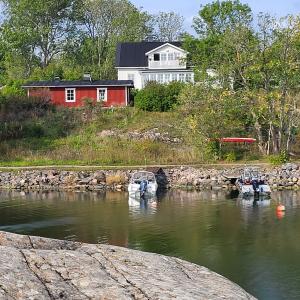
{"x": 87, "y": 77}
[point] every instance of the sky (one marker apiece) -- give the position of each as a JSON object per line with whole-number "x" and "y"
{"x": 189, "y": 8}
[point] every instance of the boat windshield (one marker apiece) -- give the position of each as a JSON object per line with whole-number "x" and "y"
{"x": 140, "y": 176}
{"x": 251, "y": 173}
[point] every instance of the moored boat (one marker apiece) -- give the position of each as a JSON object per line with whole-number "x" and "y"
{"x": 251, "y": 183}
{"x": 143, "y": 184}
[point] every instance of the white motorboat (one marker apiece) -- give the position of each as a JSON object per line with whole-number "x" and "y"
{"x": 143, "y": 184}
{"x": 252, "y": 183}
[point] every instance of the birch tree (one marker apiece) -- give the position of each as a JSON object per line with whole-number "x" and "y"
{"x": 104, "y": 24}
{"x": 167, "y": 27}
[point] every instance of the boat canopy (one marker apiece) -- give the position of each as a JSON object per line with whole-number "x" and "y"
{"x": 237, "y": 140}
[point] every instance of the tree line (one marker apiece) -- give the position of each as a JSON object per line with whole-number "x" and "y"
{"x": 248, "y": 68}
{"x": 43, "y": 39}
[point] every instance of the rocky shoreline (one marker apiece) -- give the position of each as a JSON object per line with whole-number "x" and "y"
{"x": 281, "y": 177}
{"x": 40, "y": 268}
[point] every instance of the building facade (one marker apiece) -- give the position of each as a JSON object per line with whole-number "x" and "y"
{"x": 74, "y": 93}
{"x": 152, "y": 61}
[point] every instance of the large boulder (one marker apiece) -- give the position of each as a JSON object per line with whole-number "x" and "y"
{"x": 39, "y": 268}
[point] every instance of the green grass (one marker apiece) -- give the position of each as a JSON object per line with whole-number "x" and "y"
{"x": 84, "y": 146}
{"x": 70, "y": 140}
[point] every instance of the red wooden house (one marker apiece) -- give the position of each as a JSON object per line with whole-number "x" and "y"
{"x": 73, "y": 93}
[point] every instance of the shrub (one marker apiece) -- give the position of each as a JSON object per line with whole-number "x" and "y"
{"x": 279, "y": 159}
{"x": 212, "y": 150}
{"x": 115, "y": 179}
{"x": 19, "y": 116}
{"x": 230, "y": 157}
{"x": 158, "y": 97}
{"x": 13, "y": 89}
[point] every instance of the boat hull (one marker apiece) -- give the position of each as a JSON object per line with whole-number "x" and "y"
{"x": 134, "y": 190}
{"x": 248, "y": 189}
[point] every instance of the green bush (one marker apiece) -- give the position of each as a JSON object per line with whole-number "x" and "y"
{"x": 12, "y": 88}
{"x": 212, "y": 150}
{"x": 158, "y": 97}
{"x": 279, "y": 159}
{"x": 231, "y": 157}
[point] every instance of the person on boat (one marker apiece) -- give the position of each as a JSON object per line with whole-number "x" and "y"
{"x": 262, "y": 180}
{"x": 143, "y": 187}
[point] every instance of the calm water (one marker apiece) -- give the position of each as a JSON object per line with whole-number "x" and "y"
{"x": 249, "y": 243}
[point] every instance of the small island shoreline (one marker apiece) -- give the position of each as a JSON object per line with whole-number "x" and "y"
{"x": 285, "y": 177}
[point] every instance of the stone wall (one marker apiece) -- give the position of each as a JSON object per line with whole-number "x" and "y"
{"x": 283, "y": 177}
{"x": 39, "y": 268}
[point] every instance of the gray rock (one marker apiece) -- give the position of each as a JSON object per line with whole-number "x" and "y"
{"x": 39, "y": 268}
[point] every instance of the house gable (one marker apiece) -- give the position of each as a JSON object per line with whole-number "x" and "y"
{"x": 166, "y": 47}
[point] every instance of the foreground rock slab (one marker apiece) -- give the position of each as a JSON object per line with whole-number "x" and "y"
{"x": 39, "y": 268}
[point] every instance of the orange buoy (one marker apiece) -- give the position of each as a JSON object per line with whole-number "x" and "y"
{"x": 280, "y": 207}
{"x": 280, "y": 214}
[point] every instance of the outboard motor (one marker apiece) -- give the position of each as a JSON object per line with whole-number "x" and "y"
{"x": 255, "y": 185}
{"x": 143, "y": 187}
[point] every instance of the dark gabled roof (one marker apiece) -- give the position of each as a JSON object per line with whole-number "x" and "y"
{"x": 78, "y": 83}
{"x": 134, "y": 54}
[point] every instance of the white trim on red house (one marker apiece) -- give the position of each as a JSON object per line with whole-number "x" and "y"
{"x": 98, "y": 94}
{"x": 66, "y": 95}
{"x": 126, "y": 95}
{"x": 164, "y": 45}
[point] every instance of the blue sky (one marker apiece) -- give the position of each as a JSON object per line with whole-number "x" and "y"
{"x": 189, "y": 8}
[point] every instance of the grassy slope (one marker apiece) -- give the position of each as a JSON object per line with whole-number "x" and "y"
{"x": 83, "y": 146}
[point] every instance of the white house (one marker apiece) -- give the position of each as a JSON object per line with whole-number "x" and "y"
{"x": 152, "y": 61}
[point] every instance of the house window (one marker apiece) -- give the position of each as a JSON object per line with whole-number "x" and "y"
{"x": 145, "y": 78}
{"x": 130, "y": 77}
{"x": 174, "y": 77}
{"x": 170, "y": 56}
{"x": 160, "y": 78}
{"x": 167, "y": 78}
{"x": 176, "y": 56}
{"x": 163, "y": 57}
{"x": 182, "y": 77}
{"x": 152, "y": 77}
{"x": 102, "y": 95}
{"x": 156, "y": 57}
{"x": 70, "y": 95}
{"x": 188, "y": 77}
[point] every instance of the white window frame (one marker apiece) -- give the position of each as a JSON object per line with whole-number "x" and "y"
{"x": 182, "y": 77}
{"x": 174, "y": 77}
{"x": 66, "y": 95}
{"x": 152, "y": 77}
{"x": 167, "y": 77}
{"x": 163, "y": 57}
{"x": 98, "y": 94}
{"x": 188, "y": 77}
{"x": 170, "y": 56}
{"x": 160, "y": 78}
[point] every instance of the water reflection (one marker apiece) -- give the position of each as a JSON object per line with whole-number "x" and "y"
{"x": 245, "y": 240}
{"x": 143, "y": 205}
